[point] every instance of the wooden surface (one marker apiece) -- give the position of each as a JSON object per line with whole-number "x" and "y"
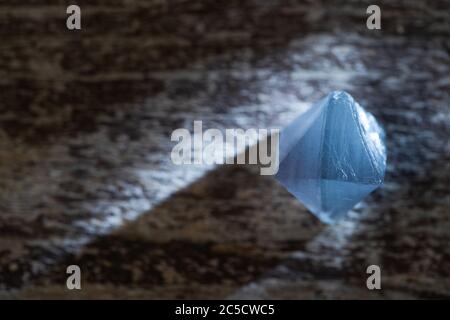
{"x": 85, "y": 170}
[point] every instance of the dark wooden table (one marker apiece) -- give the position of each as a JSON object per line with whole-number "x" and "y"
{"x": 85, "y": 170}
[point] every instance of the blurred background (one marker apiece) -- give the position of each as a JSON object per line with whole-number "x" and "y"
{"x": 85, "y": 170}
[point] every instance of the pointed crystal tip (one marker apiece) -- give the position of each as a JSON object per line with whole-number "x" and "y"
{"x": 332, "y": 156}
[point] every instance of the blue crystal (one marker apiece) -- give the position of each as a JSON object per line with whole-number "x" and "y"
{"x": 332, "y": 156}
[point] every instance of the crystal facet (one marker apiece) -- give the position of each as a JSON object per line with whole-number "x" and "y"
{"x": 332, "y": 156}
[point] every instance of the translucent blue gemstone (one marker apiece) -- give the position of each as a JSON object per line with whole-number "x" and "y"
{"x": 332, "y": 156}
